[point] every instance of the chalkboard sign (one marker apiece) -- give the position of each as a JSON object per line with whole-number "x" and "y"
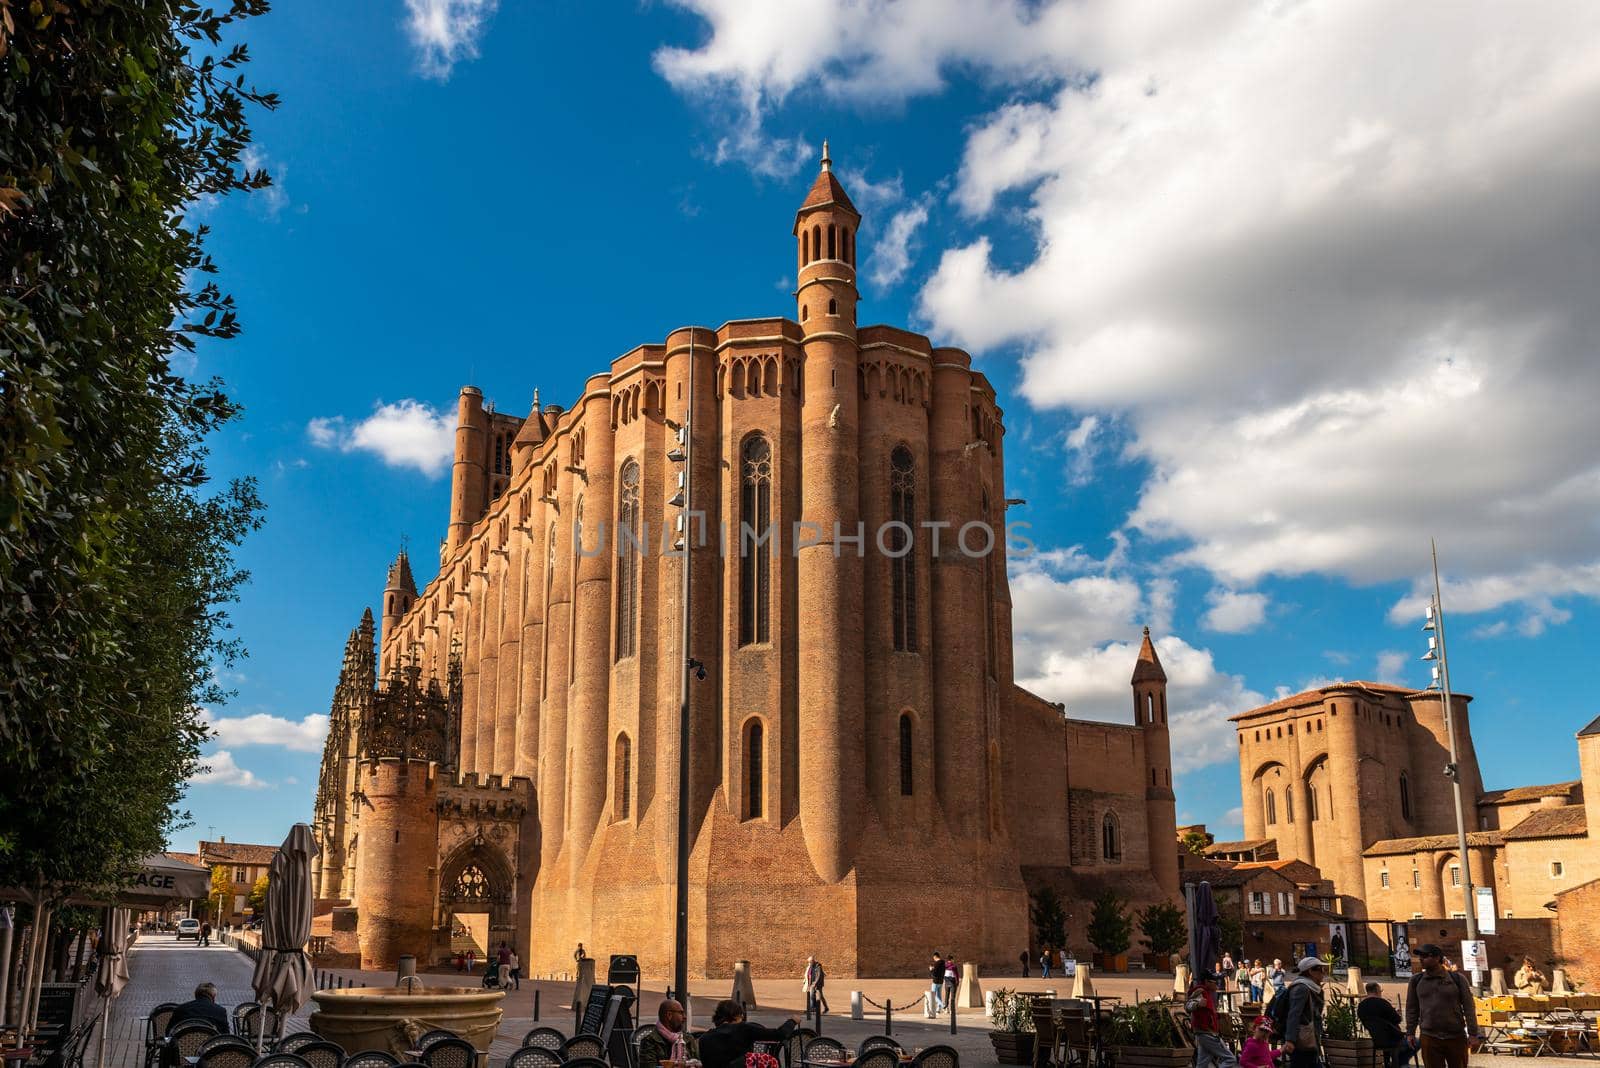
{"x": 594, "y": 1010}
{"x": 618, "y": 1028}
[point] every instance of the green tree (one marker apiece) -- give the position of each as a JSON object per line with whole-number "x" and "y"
{"x": 258, "y": 896}
{"x": 221, "y": 894}
{"x": 115, "y": 118}
{"x": 1163, "y": 927}
{"x": 1110, "y": 926}
{"x": 1194, "y": 842}
{"x": 1049, "y": 919}
{"x": 1231, "y": 928}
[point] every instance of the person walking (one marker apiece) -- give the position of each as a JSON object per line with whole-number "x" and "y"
{"x": 1258, "y": 981}
{"x": 205, "y": 933}
{"x": 936, "y": 983}
{"x": 1439, "y": 1005}
{"x": 1024, "y": 959}
{"x": 1382, "y": 1021}
{"x": 1302, "y": 1032}
{"x": 1257, "y": 1051}
{"x": 949, "y": 979}
{"x": 815, "y": 977}
{"x": 516, "y": 971}
{"x": 1209, "y": 1048}
{"x": 1226, "y": 968}
{"x": 1044, "y": 962}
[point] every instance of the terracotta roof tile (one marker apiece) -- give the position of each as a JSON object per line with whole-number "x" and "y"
{"x": 1393, "y": 846}
{"x": 1529, "y": 793}
{"x": 1238, "y": 847}
{"x": 237, "y": 853}
{"x": 1310, "y": 697}
{"x": 827, "y": 190}
{"x": 1565, "y": 822}
{"x": 1148, "y": 666}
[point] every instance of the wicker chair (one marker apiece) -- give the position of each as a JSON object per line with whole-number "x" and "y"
{"x": 282, "y": 1060}
{"x": 155, "y": 1030}
{"x": 187, "y": 1038}
{"x": 881, "y": 1057}
{"x": 534, "y": 1057}
{"x": 586, "y": 1062}
{"x": 826, "y": 1049}
{"x": 794, "y": 1048}
{"x": 937, "y": 1057}
{"x": 321, "y": 1054}
{"x": 291, "y": 1043}
{"x": 450, "y": 1053}
{"x": 878, "y": 1042}
{"x": 545, "y": 1038}
{"x": 583, "y": 1046}
{"x": 233, "y": 1054}
{"x": 218, "y": 1041}
{"x": 438, "y": 1034}
{"x": 371, "y": 1058}
{"x": 240, "y": 1011}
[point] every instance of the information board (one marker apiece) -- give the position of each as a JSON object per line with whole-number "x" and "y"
{"x": 1474, "y": 956}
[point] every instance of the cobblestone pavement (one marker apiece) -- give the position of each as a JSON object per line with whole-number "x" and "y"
{"x": 163, "y": 969}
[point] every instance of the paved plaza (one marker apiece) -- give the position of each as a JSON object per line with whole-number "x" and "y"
{"x": 163, "y": 969}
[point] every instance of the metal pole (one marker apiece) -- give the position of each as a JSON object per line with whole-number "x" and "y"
{"x": 1455, "y": 767}
{"x": 680, "y": 968}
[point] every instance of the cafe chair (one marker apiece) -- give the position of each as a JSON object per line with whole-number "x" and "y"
{"x": 545, "y": 1038}
{"x": 291, "y": 1043}
{"x": 937, "y": 1057}
{"x": 579, "y": 1046}
{"x": 879, "y": 1041}
{"x": 534, "y": 1057}
{"x": 450, "y": 1053}
{"x": 880, "y": 1057}
{"x": 586, "y": 1062}
{"x": 371, "y": 1058}
{"x": 826, "y": 1050}
{"x": 322, "y": 1054}
{"x": 234, "y": 1052}
{"x": 438, "y": 1034}
{"x": 282, "y": 1060}
{"x": 794, "y": 1047}
{"x": 218, "y": 1041}
{"x": 187, "y": 1038}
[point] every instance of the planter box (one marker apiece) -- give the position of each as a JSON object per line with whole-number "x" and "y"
{"x": 1350, "y": 1053}
{"x": 1012, "y": 1047}
{"x": 1151, "y": 1057}
{"x": 1106, "y": 962}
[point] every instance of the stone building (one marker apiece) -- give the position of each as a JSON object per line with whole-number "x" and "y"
{"x": 243, "y": 863}
{"x": 865, "y": 778}
{"x": 1350, "y": 778}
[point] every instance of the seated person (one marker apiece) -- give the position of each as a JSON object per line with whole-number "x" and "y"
{"x": 731, "y": 1037}
{"x": 656, "y": 1044}
{"x": 1382, "y": 1021}
{"x": 1529, "y": 979}
{"x": 204, "y": 1007}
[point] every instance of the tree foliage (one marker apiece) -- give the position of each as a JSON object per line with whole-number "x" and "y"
{"x": 221, "y": 894}
{"x": 1110, "y": 926}
{"x": 1163, "y": 927}
{"x": 258, "y": 895}
{"x": 1194, "y": 842}
{"x": 116, "y": 117}
{"x": 1049, "y": 919}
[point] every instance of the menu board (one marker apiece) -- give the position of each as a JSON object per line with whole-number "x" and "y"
{"x": 594, "y": 1010}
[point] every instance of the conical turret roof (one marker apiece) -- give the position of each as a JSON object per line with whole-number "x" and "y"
{"x": 1148, "y": 667}
{"x": 533, "y": 430}
{"x": 826, "y": 191}
{"x": 400, "y": 576}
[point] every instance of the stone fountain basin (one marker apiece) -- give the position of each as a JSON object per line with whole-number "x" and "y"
{"x": 391, "y": 1018}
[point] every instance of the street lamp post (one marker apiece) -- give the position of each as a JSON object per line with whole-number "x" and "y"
{"x": 1441, "y": 679}
{"x": 684, "y": 454}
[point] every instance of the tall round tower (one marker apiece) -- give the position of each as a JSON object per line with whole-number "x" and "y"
{"x": 1160, "y": 807}
{"x": 399, "y": 832}
{"x": 398, "y": 593}
{"x": 469, "y": 487}
{"x": 831, "y": 659}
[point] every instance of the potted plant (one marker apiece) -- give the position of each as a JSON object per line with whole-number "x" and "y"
{"x": 1144, "y": 1035}
{"x": 1011, "y": 1026}
{"x": 1165, "y": 931}
{"x": 1345, "y": 1043}
{"x": 1110, "y": 932}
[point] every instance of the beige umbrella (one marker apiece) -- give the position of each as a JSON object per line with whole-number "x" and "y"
{"x": 283, "y": 972}
{"x": 112, "y": 973}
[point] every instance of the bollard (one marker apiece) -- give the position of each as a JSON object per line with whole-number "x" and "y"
{"x": 856, "y": 1012}
{"x": 888, "y": 1017}
{"x": 536, "y": 1005}
{"x": 952, "y": 1019}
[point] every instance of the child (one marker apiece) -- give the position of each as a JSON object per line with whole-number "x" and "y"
{"x": 1257, "y": 1050}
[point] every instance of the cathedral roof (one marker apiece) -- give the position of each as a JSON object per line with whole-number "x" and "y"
{"x": 1249, "y": 845}
{"x": 825, "y": 191}
{"x": 1567, "y": 821}
{"x": 1315, "y": 697}
{"x": 400, "y": 575}
{"x": 533, "y": 430}
{"x": 1426, "y": 843}
{"x": 1148, "y": 667}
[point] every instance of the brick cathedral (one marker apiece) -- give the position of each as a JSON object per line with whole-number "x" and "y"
{"x": 867, "y": 781}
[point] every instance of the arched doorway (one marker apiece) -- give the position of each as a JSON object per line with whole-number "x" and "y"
{"x": 475, "y": 896}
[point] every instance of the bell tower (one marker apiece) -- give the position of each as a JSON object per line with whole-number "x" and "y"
{"x": 1160, "y": 806}
{"x": 825, "y": 231}
{"x": 398, "y": 593}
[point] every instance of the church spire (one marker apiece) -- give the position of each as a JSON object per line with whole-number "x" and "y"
{"x": 825, "y": 230}
{"x": 1148, "y": 667}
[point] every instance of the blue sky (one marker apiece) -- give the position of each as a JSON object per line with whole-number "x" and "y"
{"x": 1269, "y": 298}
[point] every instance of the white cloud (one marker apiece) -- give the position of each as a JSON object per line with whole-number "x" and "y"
{"x": 890, "y": 255}
{"x": 1392, "y": 666}
{"x": 274, "y": 198}
{"x": 406, "y": 433}
{"x": 1231, "y": 612}
{"x": 1336, "y": 286}
{"x": 1074, "y": 642}
{"x": 445, "y": 32}
{"x": 219, "y": 769}
{"x": 303, "y": 736}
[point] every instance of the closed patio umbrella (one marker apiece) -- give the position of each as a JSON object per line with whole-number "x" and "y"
{"x": 282, "y": 980}
{"x": 111, "y": 975}
{"x": 1205, "y": 931}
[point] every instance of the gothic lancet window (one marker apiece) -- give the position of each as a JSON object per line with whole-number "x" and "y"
{"x": 623, "y": 777}
{"x": 1405, "y": 796}
{"x": 753, "y": 741}
{"x": 1110, "y": 838}
{"x": 905, "y": 755}
{"x": 987, "y": 564}
{"x": 471, "y": 884}
{"x": 1272, "y": 808}
{"x": 755, "y": 561}
{"x": 628, "y": 561}
{"x": 903, "y": 559}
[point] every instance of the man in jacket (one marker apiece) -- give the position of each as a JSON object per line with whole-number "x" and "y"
{"x": 1302, "y": 1034}
{"x": 1382, "y": 1021}
{"x": 1439, "y": 1004}
{"x": 815, "y": 977}
{"x": 657, "y": 1044}
{"x": 1209, "y": 1048}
